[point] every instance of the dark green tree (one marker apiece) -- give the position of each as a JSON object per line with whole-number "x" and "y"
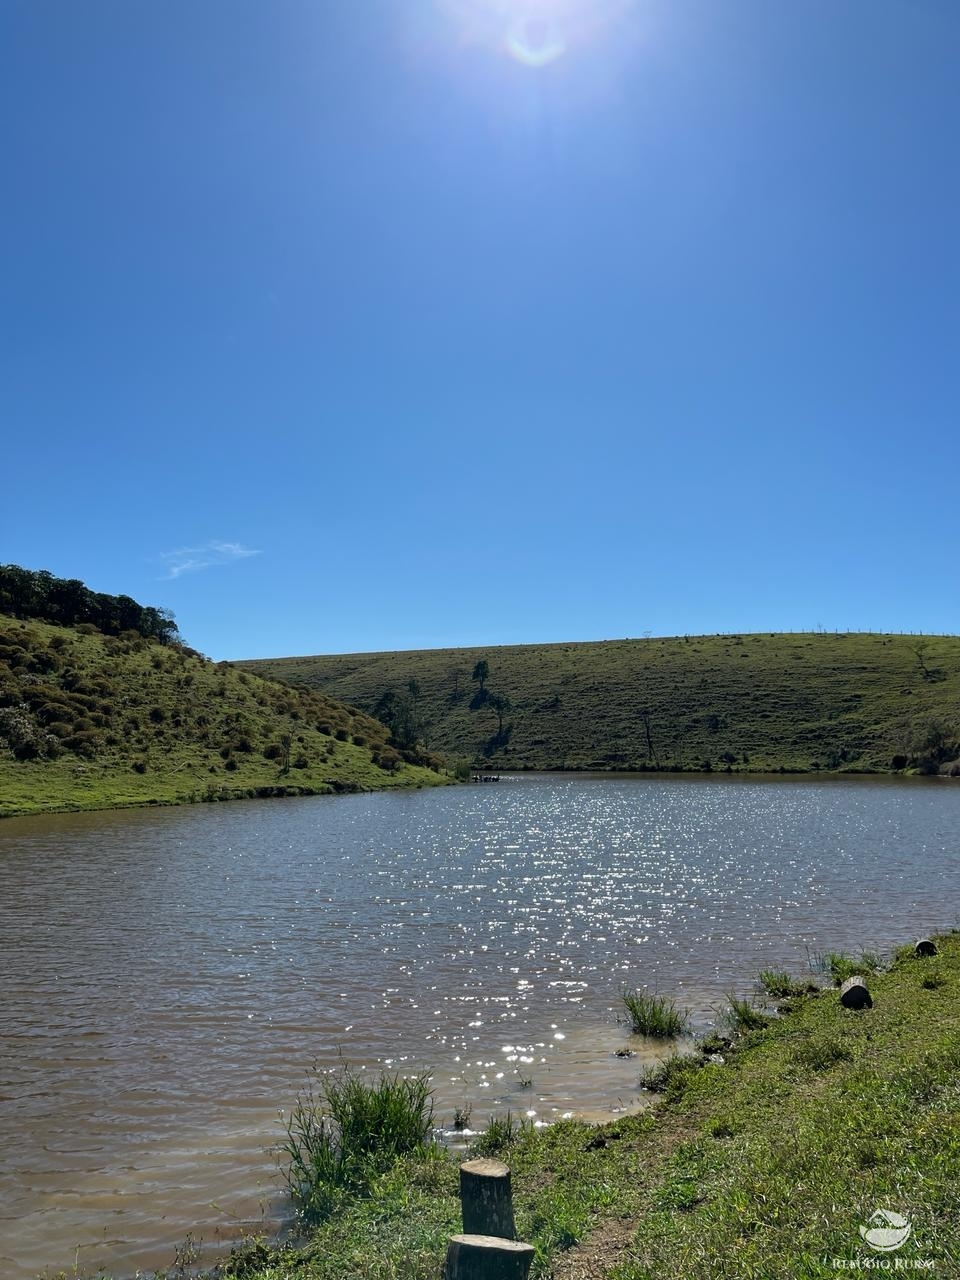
{"x": 398, "y": 712}
{"x": 501, "y": 706}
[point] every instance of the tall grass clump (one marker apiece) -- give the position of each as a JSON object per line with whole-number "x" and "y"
{"x": 778, "y": 984}
{"x": 655, "y": 1016}
{"x": 671, "y": 1076}
{"x": 499, "y": 1133}
{"x": 842, "y": 966}
{"x": 345, "y": 1131}
{"x": 742, "y": 1016}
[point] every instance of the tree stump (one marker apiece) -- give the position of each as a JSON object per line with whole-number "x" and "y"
{"x": 854, "y": 993}
{"x": 486, "y": 1199}
{"x": 925, "y": 947}
{"x": 478, "y": 1257}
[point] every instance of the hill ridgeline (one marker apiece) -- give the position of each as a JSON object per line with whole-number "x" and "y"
{"x": 804, "y": 702}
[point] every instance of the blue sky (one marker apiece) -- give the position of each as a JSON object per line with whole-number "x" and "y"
{"x": 342, "y": 325}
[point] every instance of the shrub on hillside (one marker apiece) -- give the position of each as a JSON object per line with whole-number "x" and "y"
{"x": 387, "y": 759}
{"x": 44, "y": 661}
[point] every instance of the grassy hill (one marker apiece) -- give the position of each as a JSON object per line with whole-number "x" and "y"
{"x": 89, "y": 721}
{"x": 751, "y": 702}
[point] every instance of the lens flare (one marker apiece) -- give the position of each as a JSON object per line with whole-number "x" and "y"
{"x": 534, "y": 41}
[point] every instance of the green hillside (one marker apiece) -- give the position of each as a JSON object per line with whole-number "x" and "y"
{"x": 752, "y": 702}
{"x": 91, "y": 721}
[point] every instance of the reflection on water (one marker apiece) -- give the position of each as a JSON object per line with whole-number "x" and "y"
{"x": 169, "y": 975}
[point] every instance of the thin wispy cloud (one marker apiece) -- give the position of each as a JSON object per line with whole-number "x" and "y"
{"x": 209, "y": 556}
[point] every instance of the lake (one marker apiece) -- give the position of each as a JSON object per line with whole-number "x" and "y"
{"x": 170, "y": 975}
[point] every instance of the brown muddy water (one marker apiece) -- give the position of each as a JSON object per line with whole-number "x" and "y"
{"x": 168, "y": 976}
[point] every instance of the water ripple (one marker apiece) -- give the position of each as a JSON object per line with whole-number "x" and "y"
{"x": 170, "y": 975}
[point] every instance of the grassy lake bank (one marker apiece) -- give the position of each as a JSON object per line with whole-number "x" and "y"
{"x": 762, "y": 1158}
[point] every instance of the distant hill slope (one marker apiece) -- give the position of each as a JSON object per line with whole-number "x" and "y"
{"x": 751, "y": 702}
{"x": 90, "y": 721}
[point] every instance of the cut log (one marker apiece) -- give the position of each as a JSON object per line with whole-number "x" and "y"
{"x": 925, "y": 947}
{"x": 487, "y": 1199}
{"x": 854, "y": 993}
{"x": 476, "y": 1257}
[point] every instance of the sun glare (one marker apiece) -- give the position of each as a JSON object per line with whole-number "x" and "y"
{"x": 534, "y": 44}
{"x": 534, "y": 33}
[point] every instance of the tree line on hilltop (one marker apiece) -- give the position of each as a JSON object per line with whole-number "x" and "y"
{"x": 37, "y": 593}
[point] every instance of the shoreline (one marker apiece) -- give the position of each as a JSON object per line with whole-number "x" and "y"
{"x": 425, "y": 778}
{"x": 712, "y": 1180}
{"x": 223, "y": 795}
{"x": 766, "y": 1153}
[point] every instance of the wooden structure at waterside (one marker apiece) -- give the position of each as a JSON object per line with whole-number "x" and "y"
{"x": 488, "y": 1248}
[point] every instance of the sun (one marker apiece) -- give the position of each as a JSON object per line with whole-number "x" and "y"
{"x": 534, "y": 33}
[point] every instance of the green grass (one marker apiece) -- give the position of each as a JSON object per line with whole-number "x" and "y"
{"x": 781, "y": 986}
{"x": 778, "y": 983}
{"x": 805, "y": 702}
{"x": 652, "y": 1015}
{"x": 92, "y": 722}
{"x": 742, "y": 1015}
{"x": 345, "y": 1131}
{"x": 762, "y": 1168}
{"x": 826, "y": 1116}
{"x": 841, "y": 966}
{"x": 500, "y": 1133}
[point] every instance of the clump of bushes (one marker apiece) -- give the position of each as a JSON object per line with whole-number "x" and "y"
{"x": 386, "y": 759}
